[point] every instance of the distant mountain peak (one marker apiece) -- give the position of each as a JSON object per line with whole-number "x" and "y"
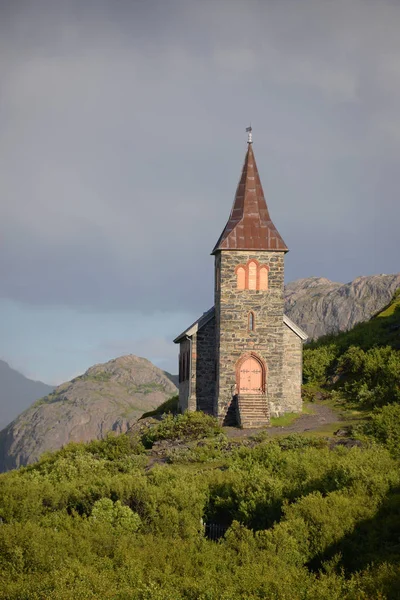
{"x": 107, "y": 397}
{"x": 17, "y": 392}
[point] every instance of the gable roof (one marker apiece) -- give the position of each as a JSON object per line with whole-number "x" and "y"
{"x": 210, "y": 314}
{"x": 250, "y": 226}
{"x": 295, "y": 328}
{"x": 194, "y": 327}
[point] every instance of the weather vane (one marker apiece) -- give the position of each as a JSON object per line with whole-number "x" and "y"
{"x": 250, "y": 135}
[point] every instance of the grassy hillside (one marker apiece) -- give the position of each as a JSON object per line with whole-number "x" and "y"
{"x": 175, "y": 510}
{"x": 358, "y": 372}
{"x": 361, "y": 367}
{"x": 213, "y": 519}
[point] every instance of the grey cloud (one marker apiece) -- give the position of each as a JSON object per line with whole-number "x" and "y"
{"x": 121, "y": 142}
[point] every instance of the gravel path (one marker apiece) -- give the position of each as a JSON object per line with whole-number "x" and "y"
{"x": 323, "y": 415}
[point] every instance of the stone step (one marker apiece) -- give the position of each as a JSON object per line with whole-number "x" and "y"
{"x": 255, "y": 424}
{"x": 247, "y": 407}
{"x": 253, "y": 401}
{"x": 252, "y": 416}
{"x": 253, "y": 411}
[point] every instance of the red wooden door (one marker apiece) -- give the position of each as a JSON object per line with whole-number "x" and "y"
{"x": 250, "y": 377}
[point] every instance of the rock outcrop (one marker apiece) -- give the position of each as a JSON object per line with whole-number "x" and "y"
{"x": 108, "y": 397}
{"x": 320, "y": 306}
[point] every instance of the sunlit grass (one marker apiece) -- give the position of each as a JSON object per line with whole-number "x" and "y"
{"x": 290, "y": 418}
{"x": 391, "y": 309}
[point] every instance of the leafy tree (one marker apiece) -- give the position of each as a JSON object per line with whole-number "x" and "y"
{"x": 115, "y": 514}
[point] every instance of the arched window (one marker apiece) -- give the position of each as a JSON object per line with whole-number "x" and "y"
{"x": 263, "y": 278}
{"x": 251, "y": 321}
{"x": 252, "y": 276}
{"x": 241, "y": 278}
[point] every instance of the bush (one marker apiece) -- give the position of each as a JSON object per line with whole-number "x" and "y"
{"x": 116, "y": 514}
{"x": 384, "y": 427}
{"x": 317, "y": 362}
{"x": 190, "y": 425}
{"x": 372, "y": 377}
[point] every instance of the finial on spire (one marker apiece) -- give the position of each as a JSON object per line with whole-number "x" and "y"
{"x": 250, "y": 135}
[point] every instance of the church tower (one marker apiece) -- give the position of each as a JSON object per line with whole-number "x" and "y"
{"x": 242, "y": 359}
{"x": 249, "y": 319}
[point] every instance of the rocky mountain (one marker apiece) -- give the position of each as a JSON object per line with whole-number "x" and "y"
{"x": 108, "y": 397}
{"x": 320, "y": 306}
{"x": 17, "y": 393}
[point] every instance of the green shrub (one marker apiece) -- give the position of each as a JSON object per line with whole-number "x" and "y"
{"x": 318, "y": 362}
{"x": 372, "y": 377}
{"x": 116, "y": 514}
{"x": 384, "y": 427}
{"x": 190, "y": 425}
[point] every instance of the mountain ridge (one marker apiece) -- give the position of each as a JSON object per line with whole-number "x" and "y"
{"x": 107, "y": 397}
{"x": 321, "y": 307}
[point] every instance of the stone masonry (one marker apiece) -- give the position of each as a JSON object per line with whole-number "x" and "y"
{"x": 292, "y": 374}
{"x": 232, "y": 307}
{"x": 203, "y": 368}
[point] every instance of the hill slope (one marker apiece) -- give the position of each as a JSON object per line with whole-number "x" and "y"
{"x": 362, "y": 366}
{"x": 17, "y": 393}
{"x": 108, "y": 397}
{"x": 320, "y": 306}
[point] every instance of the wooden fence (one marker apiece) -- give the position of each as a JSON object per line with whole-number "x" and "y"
{"x": 214, "y": 531}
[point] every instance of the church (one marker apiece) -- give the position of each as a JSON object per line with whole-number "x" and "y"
{"x": 241, "y": 361}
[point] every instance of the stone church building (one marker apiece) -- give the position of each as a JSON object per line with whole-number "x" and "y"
{"x": 241, "y": 361}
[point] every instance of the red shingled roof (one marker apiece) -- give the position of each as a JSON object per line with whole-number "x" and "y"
{"x": 249, "y": 226}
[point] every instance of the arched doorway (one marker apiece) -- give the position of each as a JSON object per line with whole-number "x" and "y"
{"x": 250, "y": 375}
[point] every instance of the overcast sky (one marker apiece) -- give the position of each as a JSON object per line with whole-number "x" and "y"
{"x": 122, "y": 137}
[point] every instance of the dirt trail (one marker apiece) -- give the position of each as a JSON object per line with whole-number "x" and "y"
{"x": 323, "y": 415}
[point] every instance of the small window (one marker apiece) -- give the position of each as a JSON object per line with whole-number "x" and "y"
{"x": 217, "y": 278}
{"x": 251, "y": 321}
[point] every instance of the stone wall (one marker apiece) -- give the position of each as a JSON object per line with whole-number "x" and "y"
{"x": 292, "y": 372}
{"x": 204, "y": 367}
{"x": 233, "y": 338}
{"x": 184, "y": 386}
{"x": 198, "y": 392}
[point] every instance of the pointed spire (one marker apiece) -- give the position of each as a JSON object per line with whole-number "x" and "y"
{"x": 249, "y": 226}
